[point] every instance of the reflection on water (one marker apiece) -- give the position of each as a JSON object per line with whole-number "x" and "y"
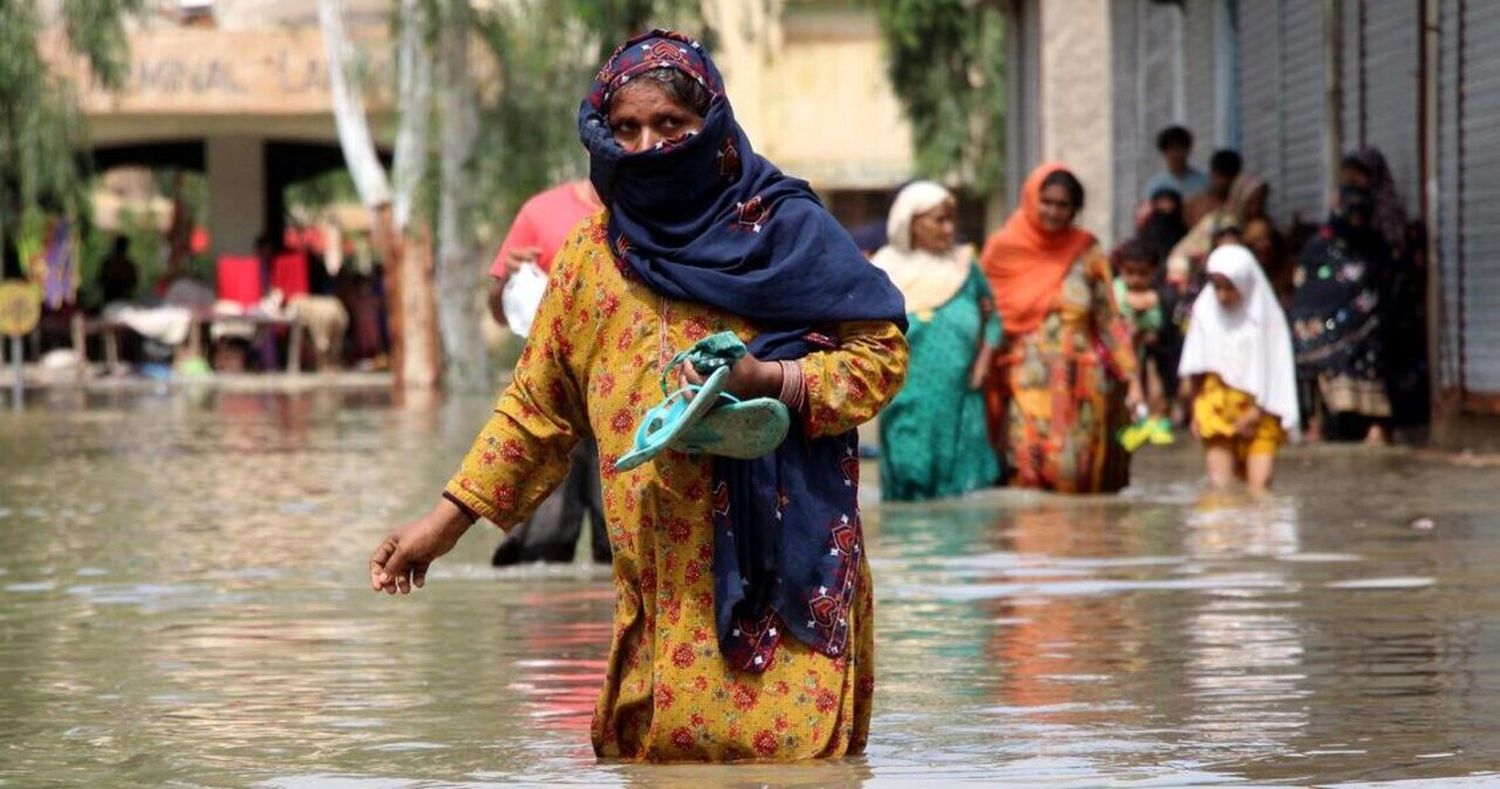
{"x": 182, "y": 599}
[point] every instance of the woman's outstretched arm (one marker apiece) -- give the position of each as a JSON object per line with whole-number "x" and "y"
{"x": 520, "y": 455}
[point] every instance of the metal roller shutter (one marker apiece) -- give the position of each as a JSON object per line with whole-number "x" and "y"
{"x": 1303, "y": 182}
{"x": 1159, "y": 33}
{"x": 1260, "y": 88}
{"x": 1199, "y": 72}
{"x": 1468, "y": 190}
{"x": 1148, "y": 45}
{"x": 1389, "y": 90}
{"x": 1449, "y": 251}
{"x": 1023, "y": 134}
{"x": 1479, "y": 233}
{"x": 1351, "y": 72}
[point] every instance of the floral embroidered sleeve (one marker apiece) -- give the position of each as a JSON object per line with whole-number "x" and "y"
{"x": 1110, "y": 326}
{"x": 848, "y": 385}
{"x": 522, "y": 452}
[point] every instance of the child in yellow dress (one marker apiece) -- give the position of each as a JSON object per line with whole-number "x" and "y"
{"x": 1238, "y": 355}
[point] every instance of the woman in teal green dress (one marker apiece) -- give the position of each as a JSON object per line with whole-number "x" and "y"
{"x": 934, "y": 442}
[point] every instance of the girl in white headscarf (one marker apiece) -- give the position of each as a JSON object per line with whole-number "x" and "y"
{"x": 933, "y": 437}
{"x": 1238, "y": 353}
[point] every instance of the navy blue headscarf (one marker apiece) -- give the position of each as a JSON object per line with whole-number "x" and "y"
{"x": 705, "y": 219}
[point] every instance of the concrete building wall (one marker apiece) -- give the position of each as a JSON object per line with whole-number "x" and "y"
{"x": 842, "y": 126}
{"x": 1076, "y": 94}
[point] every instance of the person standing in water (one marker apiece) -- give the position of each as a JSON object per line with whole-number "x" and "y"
{"x": 1238, "y": 355}
{"x": 933, "y": 438}
{"x": 743, "y": 625}
{"x": 1066, "y": 370}
{"x": 536, "y": 236}
{"x": 1337, "y": 321}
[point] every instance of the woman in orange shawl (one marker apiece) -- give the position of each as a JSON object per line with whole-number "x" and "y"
{"x": 1066, "y": 367}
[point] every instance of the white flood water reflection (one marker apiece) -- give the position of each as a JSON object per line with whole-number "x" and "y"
{"x": 183, "y": 601}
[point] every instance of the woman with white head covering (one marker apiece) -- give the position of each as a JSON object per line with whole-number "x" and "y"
{"x": 933, "y": 438}
{"x": 1238, "y": 353}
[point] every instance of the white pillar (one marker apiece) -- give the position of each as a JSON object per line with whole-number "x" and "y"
{"x": 236, "y": 192}
{"x": 1077, "y": 85}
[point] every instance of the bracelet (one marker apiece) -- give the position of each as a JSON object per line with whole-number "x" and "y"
{"x": 793, "y": 387}
{"x": 464, "y": 509}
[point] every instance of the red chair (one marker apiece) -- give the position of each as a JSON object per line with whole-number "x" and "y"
{"x": 239, "y": 279}
{"x": 289, "y": 274}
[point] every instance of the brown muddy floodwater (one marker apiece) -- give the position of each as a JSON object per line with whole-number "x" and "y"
{"x": 183, "y": 601}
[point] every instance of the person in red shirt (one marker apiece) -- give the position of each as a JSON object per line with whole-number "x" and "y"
{"x": 551, "y": 535}
{"x": 540, "y": 228}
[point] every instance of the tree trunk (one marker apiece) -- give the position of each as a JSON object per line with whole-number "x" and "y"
{"x": 422, "y": 367}
{"x": 422, "y": 354}
{"x": 349, "y": 109}
{"x": 415, "y": 353}
{"x": 459, "y": 280}
{"x": 391, "y": 249}
{"x": 414, "y": 99}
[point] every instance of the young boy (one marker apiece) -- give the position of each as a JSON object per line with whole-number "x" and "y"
{"x": 1175, "y": 144}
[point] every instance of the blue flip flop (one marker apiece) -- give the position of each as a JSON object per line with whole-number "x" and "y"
{"x": 666, "y": 421}
{"x": 706, "y": 419}
{"x": 734, "y": 428}
{"x": 741, "y": 429}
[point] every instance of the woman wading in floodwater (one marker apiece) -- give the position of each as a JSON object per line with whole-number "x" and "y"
{"x": 743, "y": 608}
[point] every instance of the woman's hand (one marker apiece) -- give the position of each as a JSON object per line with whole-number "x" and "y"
{"x": 1248, "y": 422}
{"x": 1135, "y": 397}
{"x": 401, "y": 560}
{"x": 515, "y": 258}
{"x": 749, "y": 378}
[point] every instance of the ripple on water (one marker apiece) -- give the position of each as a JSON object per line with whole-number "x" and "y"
{"x": 1395, "y": 582}
{"x": 215, "y": 628}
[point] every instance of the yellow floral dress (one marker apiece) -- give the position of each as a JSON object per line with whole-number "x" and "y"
{"x": 1058, "y": 398}
{"x": 599, "y": 342}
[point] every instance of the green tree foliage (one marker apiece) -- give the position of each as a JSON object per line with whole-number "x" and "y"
{"x": 947, "y": 65}
{"x": 41, "y": 128}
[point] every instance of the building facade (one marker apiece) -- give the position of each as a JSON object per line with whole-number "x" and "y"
{"x": 239, "y": 90}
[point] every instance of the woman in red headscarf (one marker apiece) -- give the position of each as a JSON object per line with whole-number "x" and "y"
{"x": 1065, "y": 370}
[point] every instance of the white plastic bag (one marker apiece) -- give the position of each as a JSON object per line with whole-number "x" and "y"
{"x": 521, "y": 297}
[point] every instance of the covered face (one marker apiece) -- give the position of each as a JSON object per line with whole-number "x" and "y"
{"x": 647, "y": 119}
{"x": 1356, "y": 205}
{"x": 697, "y": 214}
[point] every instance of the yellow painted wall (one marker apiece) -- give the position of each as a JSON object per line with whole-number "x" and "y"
{"x": 809, "y": 86}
